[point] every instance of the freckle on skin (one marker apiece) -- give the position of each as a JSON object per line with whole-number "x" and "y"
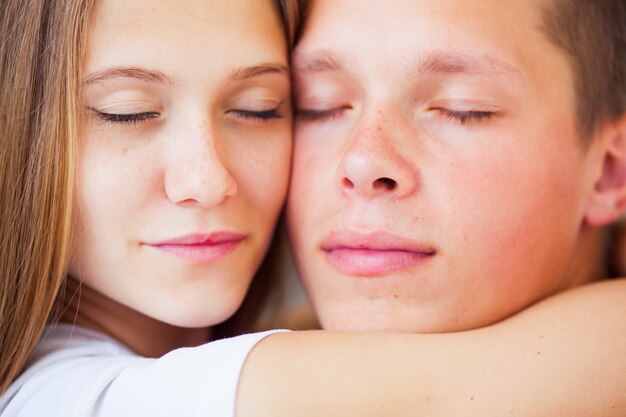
{"x": 538, "y": 352}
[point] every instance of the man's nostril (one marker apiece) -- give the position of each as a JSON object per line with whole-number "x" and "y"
{"x": 347, "y": 183}
{"x": 385, "y": 183}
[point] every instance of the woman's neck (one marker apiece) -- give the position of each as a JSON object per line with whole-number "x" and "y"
{"x": 144, "y": 335}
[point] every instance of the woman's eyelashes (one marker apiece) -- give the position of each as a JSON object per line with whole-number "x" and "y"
{"x": 258, "y": 115}
{"x": 137, "y": 118}
{"x": 126, "y": 118}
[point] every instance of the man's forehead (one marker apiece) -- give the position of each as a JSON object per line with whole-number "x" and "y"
{"x": 424, "y": 62}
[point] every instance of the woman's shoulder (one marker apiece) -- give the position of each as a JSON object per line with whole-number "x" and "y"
{"x": 65, "y": 363}
{"x": 80, "y": 372}
{"x": 62, "y": 340}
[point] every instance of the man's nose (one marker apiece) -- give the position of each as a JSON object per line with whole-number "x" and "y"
{"x": 373, "y": 166}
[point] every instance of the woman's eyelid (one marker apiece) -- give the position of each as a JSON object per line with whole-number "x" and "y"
{"x": 257, "y": 98}
{"x": 257, "y": 105}
{"x": 128, "y": 107}
{"x": 106, "y": 97}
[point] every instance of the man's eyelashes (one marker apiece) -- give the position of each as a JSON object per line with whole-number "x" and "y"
{"x": 465, "y": 117}
{"x": 459, "y": 116}
{"x": 320, "y": 115}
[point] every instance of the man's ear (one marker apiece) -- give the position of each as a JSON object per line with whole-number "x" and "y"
{"x": 608, "y": 199}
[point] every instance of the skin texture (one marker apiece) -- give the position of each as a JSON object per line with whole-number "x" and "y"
{"x": 204, "y": 160}
{"x": 543, "y": 362}
{"x": 442, "y": 131}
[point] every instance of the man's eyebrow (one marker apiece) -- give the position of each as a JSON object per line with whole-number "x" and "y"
{"x": 318, "y": 62}
{"x": 241, "y": 74}
{"x": 452, "y": 62}
{"x": 142, "y": 74}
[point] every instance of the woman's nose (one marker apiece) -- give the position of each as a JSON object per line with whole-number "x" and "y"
{"x": 197, "y": 171}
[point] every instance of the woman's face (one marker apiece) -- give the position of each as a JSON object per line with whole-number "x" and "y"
{"x": 183, "y": 163}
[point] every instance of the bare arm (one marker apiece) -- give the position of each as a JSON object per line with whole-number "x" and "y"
{"x": 565, "y": 356}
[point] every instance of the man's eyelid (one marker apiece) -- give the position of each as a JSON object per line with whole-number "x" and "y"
{"x": 319, "y": 104}
{"x": 325, "y": 91}
{"x": 463, "y": 105}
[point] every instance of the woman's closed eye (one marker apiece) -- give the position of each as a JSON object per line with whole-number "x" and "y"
{"x": 126, "y": 118}
{"x": 259, "y": 115}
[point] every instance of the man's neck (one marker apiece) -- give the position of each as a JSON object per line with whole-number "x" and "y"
{"x": 589, "y": 262}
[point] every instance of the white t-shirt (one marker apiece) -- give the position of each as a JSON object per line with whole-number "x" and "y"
{"x": 78, "y": 373}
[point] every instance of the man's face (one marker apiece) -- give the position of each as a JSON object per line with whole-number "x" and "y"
{"x": 439, "y": 183}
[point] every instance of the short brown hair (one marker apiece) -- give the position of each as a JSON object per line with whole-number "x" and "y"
{"x": 593, "y": 34}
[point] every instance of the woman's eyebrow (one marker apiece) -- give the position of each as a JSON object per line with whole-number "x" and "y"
{"x": 240, "y": 74}
{"x": 142, "y": 74}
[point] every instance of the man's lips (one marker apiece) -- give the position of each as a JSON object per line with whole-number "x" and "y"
{"x": 200, "y": 248}
{"x": 373, "y": 254}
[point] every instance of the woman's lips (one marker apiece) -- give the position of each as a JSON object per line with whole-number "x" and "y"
{"x": 373, "y": 254}
{"x": 201, "y": 248}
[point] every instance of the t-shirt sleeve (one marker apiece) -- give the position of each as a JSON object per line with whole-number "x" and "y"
{"x": 189, "y": 382}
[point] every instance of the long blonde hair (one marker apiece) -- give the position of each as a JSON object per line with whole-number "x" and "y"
{"x": 43, "y": 42}
{"x": 42, "y": 45}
